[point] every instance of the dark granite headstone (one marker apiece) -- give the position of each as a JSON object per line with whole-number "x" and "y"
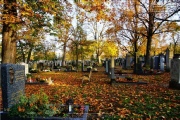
{"x": 156, "y": 62}
{"x": 152, "y": 63}
{"x": 13, "y": 84}
{"x": 106, "y": 65}
{"x": 128, "y": 61}
{"x": 139, "y": 68}
{"x": 82, "y": 66}
{"x": 124, "y": 63}
{"x": 175, "y": 72}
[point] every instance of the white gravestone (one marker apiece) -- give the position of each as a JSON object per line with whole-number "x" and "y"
{"x": 162, "y": 63}
{"x": 26, "y": 68}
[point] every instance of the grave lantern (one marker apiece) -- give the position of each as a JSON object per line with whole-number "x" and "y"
{"x": 70, "y": 103}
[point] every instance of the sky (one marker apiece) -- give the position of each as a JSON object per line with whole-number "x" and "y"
{"x": 89, "y": 34}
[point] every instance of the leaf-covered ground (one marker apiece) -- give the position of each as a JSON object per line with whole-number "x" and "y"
{"x": 152, "y": 101}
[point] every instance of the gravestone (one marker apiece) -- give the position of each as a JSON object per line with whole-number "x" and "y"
{"x": 13, "y": 84}
{"x": 112, "y": 75}
{"x": 26, "y": 68}
{"x": 39, "y": 66}
{"x": 139, "y": 68}
{"x": 175, "y": 72}
{"x": 152, "y": 63}
{"x": 112, "y": 68}
{"x": 124, "y": 63}
{"x": 117, "y": 61}
{"x": 142, "y": 60}
{"x": 82, "y": 66}
{"x": 60, "y": 63}
{"x": 128, "y": 61}
{"x": 162, "y": 60}
{"x": 109, "y": 68}
{"x": 106, "y": 65}
{"x": 156, "y": 62}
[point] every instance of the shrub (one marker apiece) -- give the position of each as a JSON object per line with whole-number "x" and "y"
{"x": 33, "y": 106}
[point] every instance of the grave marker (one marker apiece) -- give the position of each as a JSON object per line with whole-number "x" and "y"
{"x": 109, "y": 68}
{"x": 106, "y": 65}
{"x": 123, "y": 63}
{"x": 139, "y": 68}
{"x": 175, "y": 72}
{"x": 82, "y": 66}
{"x": 112, "y": 68}
{"x": 13, "y": 84}
{"x": 152, "y": 63}
{"x": 26, "y": 67}
{"x": 128, "y": 61}
{"x": 112, "y": 75}
{"x": 161, "y": 57}
{"x": 156, "y": 62}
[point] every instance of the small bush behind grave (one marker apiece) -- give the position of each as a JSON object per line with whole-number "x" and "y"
{"x": 33, "y": 106}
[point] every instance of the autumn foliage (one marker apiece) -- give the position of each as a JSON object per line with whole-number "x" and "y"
{"x": 151, "y": 101}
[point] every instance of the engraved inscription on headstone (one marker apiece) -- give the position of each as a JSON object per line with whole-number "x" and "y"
{"x": 13, "y": 84}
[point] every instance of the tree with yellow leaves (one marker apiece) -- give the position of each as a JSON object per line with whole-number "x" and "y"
{"x": 110, "y": 49}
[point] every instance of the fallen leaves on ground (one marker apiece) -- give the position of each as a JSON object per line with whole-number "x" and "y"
{"x": 152, "y": 101}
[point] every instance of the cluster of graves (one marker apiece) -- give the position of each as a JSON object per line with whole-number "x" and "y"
{"x": 13, "y": 76}
{"x": 114, "y": 75}
{"x": 159, "y": 62}
{"x": 47, "y": 66}
{"x": 44, "y": 65}
{"x": 13, "y": 80}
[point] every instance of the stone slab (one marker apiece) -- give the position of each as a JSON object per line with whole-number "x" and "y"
{"x": 13, "y": 84}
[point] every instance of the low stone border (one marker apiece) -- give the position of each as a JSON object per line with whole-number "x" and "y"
{"x": 4, "y": 116}
{"x": 128, "y": 83}
{"x": 34, "y": 83}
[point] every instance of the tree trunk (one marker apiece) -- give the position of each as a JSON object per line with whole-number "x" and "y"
{"x": 135, "y": 56}
{"x": 29, "y": 54}
{"x": 136, "y": 37}
{"x": 98, "y": 55}
{"x": 64, "y": 55}
{"x": 149, "y": 38}
{"x": 9, "y": 33}
{"x": 22, "y": 52}
{"x": 77, "y": 54}
{"x": 148, "y": 50}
